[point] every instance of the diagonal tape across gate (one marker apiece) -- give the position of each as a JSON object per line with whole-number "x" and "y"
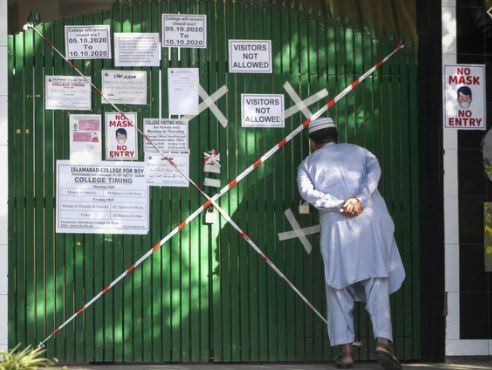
{"x": 212, "y": 200}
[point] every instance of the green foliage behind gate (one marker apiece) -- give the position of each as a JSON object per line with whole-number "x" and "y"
{"x": 205, "y": 296}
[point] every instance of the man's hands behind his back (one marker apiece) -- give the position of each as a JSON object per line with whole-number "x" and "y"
{"x": 352, "y": 207}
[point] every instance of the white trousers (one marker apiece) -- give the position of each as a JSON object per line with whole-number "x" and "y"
{"x": 340, "y": 305}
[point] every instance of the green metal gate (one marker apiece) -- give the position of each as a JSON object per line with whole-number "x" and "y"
{"x": 205, "y": 296}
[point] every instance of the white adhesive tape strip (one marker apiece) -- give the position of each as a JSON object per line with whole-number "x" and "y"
{"x": 296, "y": 228}
{"x": 211, "y": 168}
{"x": 214, "y": 183}
{"x": 286, "y": 235}
{"x": 297, "y": 100}
{"x": 307, "y": 102}
{"x": 209, "y": 102}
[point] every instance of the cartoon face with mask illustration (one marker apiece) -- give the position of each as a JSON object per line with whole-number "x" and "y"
{"x": 121, "y": 136}
{"x": 464, "y": 97}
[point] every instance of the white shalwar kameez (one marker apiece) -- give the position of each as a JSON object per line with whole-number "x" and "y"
{"x": 360, "y": 256}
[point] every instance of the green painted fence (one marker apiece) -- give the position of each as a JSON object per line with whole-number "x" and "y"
{"x": 206, "y": 296}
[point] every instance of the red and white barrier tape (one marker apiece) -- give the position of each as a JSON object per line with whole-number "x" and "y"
{"x": 212, "y": 200}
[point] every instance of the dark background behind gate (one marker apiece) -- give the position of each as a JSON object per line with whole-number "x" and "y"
{"x": 205, "y": 296}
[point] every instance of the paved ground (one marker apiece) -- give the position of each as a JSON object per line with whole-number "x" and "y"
{"x": 450, "y": 364}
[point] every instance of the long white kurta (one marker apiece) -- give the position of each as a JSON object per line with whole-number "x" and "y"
{"x": 353, "y": 248}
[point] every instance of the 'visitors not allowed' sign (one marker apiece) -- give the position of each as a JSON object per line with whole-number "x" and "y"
{"x": 464, "y": 97}
{"x": 262, "y": 110}
{"x": 250, "y": 56}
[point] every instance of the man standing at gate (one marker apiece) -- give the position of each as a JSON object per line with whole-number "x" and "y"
{"x": 360, "y": 256}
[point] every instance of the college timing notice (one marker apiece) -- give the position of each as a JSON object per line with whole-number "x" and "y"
{"x": 103, "y": 198}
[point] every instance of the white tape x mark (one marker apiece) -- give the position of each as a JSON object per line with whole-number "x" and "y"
{"x": 302, "y": 105}
{"x": 209, "y": 102}
{"x": 298, "y": 232}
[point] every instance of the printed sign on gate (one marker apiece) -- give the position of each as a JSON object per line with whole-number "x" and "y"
{"x": 101, "y": 198}
{"x": 88, "y": 42}
{"x": 68, "y": 92}
{"x": 124, "y": 87}
{"x": 262, "y": 110}
{"x": 184, "y": 30}
{"x": 464, "y": 97}
{"x": 183, "y": 90}
{"x": 85, "y": 138}
{"x": 121, "y": 136}
{"x": 159, "y": 172}
{"x": 140, "y": 49}
{"x": 250, "y": 56}
{"x": 167, "y": 135}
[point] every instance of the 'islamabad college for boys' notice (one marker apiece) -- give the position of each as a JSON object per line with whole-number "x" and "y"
{"x": 103, "y": 198}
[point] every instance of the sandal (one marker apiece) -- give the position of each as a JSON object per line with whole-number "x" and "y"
{"x": 345, "y": 360}
{"x": 385, "y": 355}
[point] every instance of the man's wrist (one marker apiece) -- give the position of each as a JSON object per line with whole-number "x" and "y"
{"x": 359, "y": 198}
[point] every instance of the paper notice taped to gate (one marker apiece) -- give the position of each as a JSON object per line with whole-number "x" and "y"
{"x": 121, "y": 136}
{"x": 124, "y": 87}
{"x": 85, "y": 138}
{"x": 101, "y": 198}
{"x": 184, "y": 30}
{"x": 88, "y": 42}
{"x": 183, "y": 91}
{"x": 68, "y": 93}
{"x": 262, "y": 110}
{"x": 166, "y": 135}
{"x": 250, "y": 56}
{"x": 159, "y": 172}
{"x": 137, "y": 49}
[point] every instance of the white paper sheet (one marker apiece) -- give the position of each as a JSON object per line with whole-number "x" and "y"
{"x": 124, "y": 87}
{"x": 137, "y": 49}
{"x": 160, "y": 173}
{"x": 262, "y": 110}
{"x": 250, "y": 56}
{"x": 67, "y": 93}
{"x": 464, "y": 97}
{"x": 85, "y": 138}
{"x": 102, "y": 198}
{"x": 184, "y": 30}
{"x": 88, "y": 42}
{"x": 168, "y": 135}
{"x": 121, "y": 136}
{"x": 183, "y": 91}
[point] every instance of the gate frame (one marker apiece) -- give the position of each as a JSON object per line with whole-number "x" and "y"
{"x": 3, "y": 0}
{"x": 431, "y": 176}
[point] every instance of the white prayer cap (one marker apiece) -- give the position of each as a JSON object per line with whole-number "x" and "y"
{"x": 321, "y": 123}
